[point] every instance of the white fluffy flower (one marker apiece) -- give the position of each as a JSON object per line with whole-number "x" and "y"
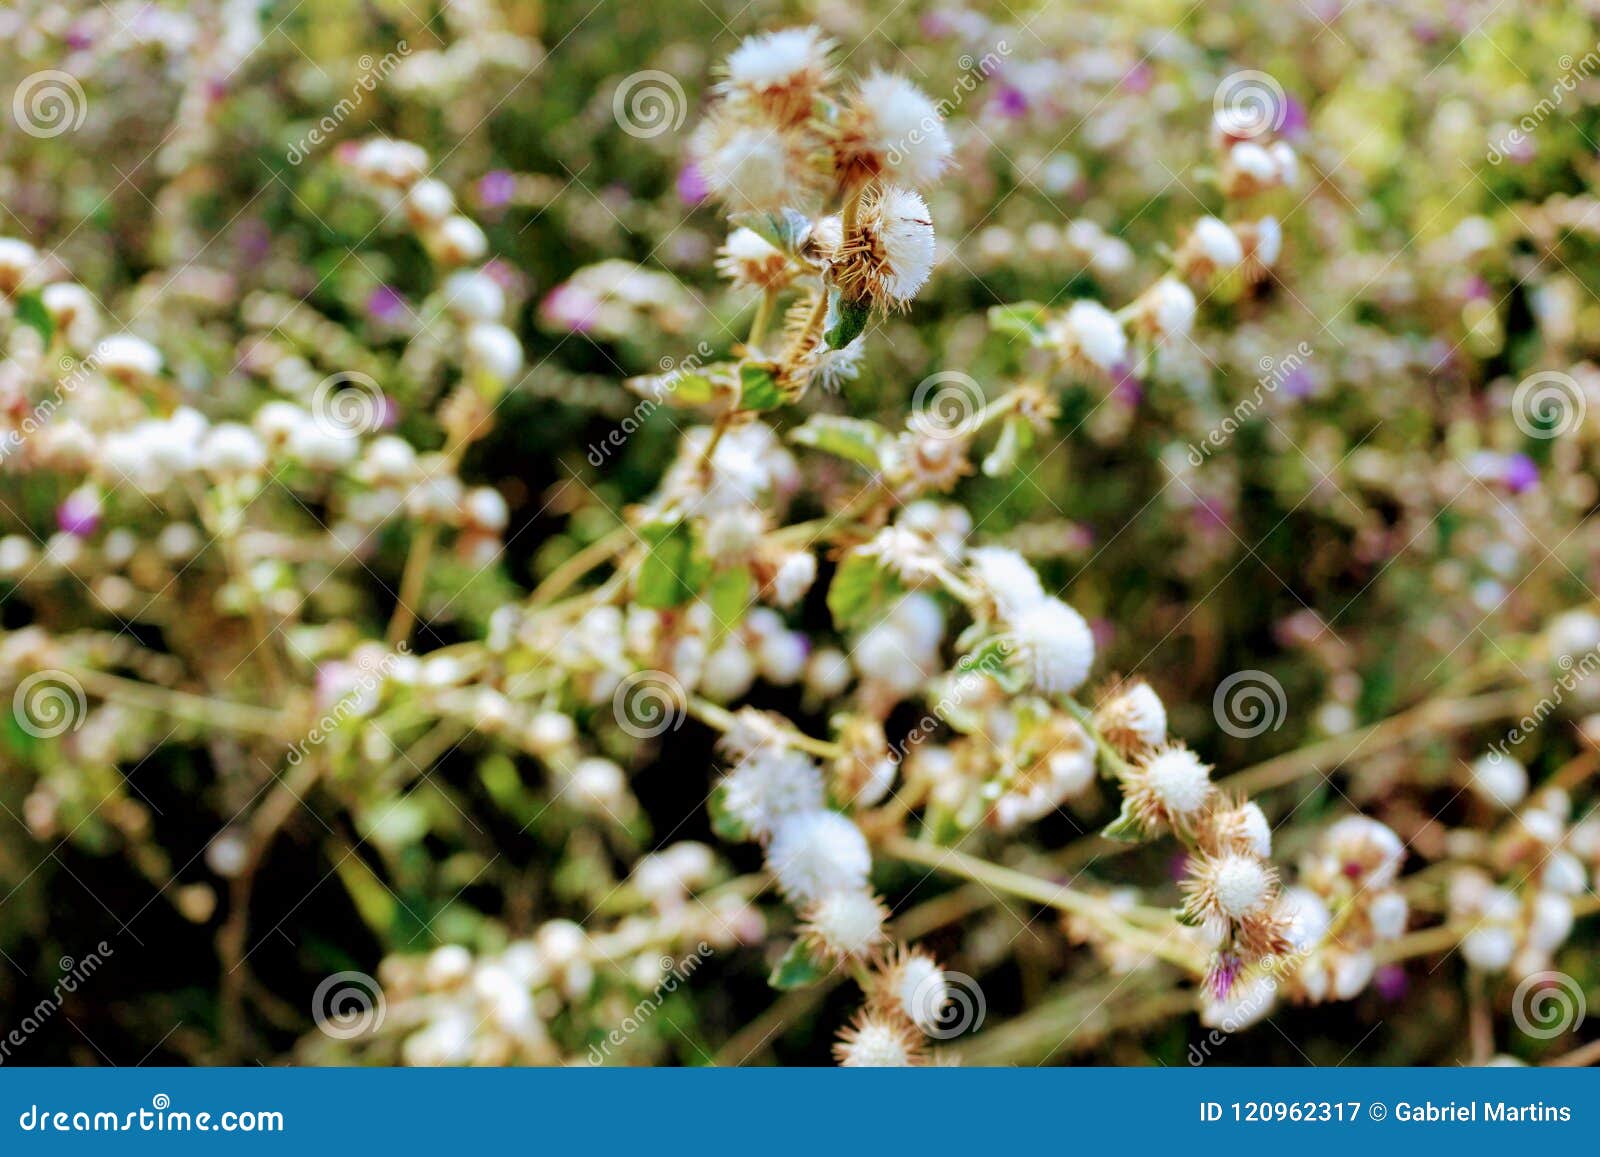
{"x": 1058, "y": 642}
{"x": 815, "y": 853}
{"x": 899, "y": 235}
{"x": 745, "y": 166}
{"x": 769, "y": 785}
{"x": 1178, "y": 781}
{"x": 1091, "y": 333}
{"x": 901, "y": 127}
{"x": 473, "y": 294}
{"x": 1007, "y": 576}
{"x": 1499, "y": 779}
{"x": 794, "y": 577}
{"x": 1388, "y": 912}
{"x": 494, "y": 349}
{"x": 1167, "y": 308}
{"x": 846, "y": 924}
{"x": 231, "y": 448}
{"x": 775, "y": 61}
{"x": 1216, "y": 243}
{"x": 124, "y": 356}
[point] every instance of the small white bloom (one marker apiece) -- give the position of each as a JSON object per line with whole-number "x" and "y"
{"x": 1178, "y": 780}
{"x": 1059, "y": 644}
{"x": 494, "y": 349}
{"x": 126, "y": 357}
{"x": 769, "y": 785}
{"x": 902, "y": 127}
{"x": 1006, "y": 575}
{"x": 1217, "y": 243}
{"x": 473, "y": 294}
{"x": 1388, "y": 912}
{"x": 1092, "y": 333}
{"x": 817, "y": 852}
{"x": 231, "y": 448}
{"x": 1499, "y": 779}
{"x": 794, "y": 577}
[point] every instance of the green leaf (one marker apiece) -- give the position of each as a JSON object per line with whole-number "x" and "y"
{"x": 854, "y": 439}
{"x": 861, "y": 591}
{"x": 786, "y": 229}
{"x": 992, "y": 658}
{"x": 673, "y": 572}
{"x": 723, "y": 822}
{"x": 32, "y": 313}
{"x": 1016, "y": 436}
{"x": 728, "y": 596}
{"x": 683, "y": 388}
{"x": 845, "y": 320}
{"x": 798, "y": 969}
{"x": 1126, "y": 828}
{"x": 1021, "y": 319}
{"x": 758, "y": 389}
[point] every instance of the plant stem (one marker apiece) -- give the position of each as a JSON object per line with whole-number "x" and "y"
{"x": 763, "y": 318}
{"x": 601, "y": 550}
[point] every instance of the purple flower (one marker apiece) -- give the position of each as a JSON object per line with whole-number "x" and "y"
{"x": 1519, "y": 473}
{"x": 1127, "y": 388}
{"x": 1009, "y": 102}
{"x": 1225, "y": 970}
{"x": 496, "y": 188}
{"x": 79, "y": 514}
{"x": 1295, "y": 120}
{"x": 692, "y": 187}
{"x": 1138, "y": 78}
{"x": 1391, "y": 982}
{"x": 384, "y": 304}
{"x": 1297, "y": 383}
{"x": 566, "y": 307}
